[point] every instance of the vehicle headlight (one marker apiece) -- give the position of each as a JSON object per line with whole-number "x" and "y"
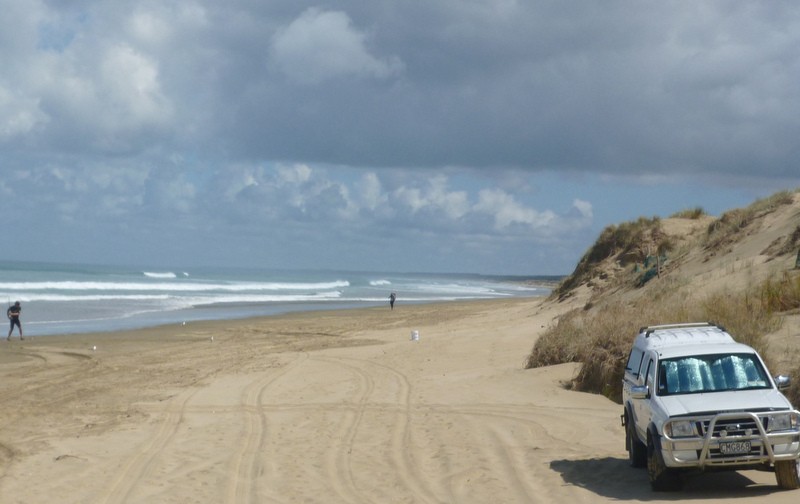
{"x": 679, "y": 428}
{"x": 782, "y": 422}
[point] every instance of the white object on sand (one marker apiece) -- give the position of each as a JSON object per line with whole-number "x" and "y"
{"x": 415, "y": 335}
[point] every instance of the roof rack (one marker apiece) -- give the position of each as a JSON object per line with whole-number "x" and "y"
{"x": 648, "y": 330}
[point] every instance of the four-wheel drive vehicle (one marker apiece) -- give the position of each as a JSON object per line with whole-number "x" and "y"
{"x": 696, "y": 400}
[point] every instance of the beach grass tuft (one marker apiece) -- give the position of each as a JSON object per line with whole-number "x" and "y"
{"x": 689, "y": 213}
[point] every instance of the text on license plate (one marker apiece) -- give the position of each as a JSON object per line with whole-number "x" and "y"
{"x": 734, "y": 447}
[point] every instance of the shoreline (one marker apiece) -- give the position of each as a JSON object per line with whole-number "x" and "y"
{"x": 310, "y": 309}
{"x": 222, "y": 311}
{"x": 60, "y": 299}
{"x": 86, "y": 341}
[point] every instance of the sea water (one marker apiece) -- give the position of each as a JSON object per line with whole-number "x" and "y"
{"x": 63, "y": 298}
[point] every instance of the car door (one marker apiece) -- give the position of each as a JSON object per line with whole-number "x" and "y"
{"x": 642, "y": 409}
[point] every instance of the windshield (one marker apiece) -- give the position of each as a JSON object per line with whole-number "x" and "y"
{"x": 711, "y": 373}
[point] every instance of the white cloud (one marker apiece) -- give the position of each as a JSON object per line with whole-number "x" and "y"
{"x": 298, "y": 192}
{"x": 19, "y": 114}
{"x": 294, "y": 174}
{"x": 584, "y": 208}
{"x": 109, "y": 98}
{"x": 148, "y": 27}
{"x": 506, "y": 211}
{"x": 433, "y": 197}
{"x": 322, "y": 45}
{"x": 371, "y": 192}
{"x": 154, "y": 23}
{"x": 21, "y": 26}
{"x": 131, "y": 83}
{"x": 454, "y": 204}
{"x": 235, "y": 179}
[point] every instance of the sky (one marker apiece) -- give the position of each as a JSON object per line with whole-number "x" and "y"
{"x": 474, "y": 136}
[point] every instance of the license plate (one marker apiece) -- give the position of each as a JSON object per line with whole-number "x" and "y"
{"x": 734, "y": 447}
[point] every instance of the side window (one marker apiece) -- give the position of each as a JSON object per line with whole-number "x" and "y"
{"x": 634, "y": 362}
{"x": 651, "y": 375}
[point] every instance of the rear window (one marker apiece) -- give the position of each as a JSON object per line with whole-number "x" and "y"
{"x": 711, "y": 373}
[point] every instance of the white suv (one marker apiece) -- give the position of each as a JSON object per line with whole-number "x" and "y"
{"x": 696, "y": 400}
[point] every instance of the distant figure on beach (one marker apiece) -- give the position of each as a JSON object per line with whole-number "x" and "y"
{"x": 13, "y": 317}
{"x": 392, "y": 297}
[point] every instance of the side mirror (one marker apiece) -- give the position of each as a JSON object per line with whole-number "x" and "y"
{"x": 640, "y": 392}
{"x": 782, "y": 382}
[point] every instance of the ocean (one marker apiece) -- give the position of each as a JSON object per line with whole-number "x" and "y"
{"x": 71, "y": 298}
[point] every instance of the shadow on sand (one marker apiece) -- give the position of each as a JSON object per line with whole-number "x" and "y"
{"x": 613, "y": 478}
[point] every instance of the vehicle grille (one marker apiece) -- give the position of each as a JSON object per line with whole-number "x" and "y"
{"x": 732, "y": 427}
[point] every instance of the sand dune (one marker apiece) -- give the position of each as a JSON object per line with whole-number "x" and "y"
{"x": 327, "y": 407}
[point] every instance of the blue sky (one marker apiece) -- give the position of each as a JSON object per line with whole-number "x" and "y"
{"x": 482, "y": 136}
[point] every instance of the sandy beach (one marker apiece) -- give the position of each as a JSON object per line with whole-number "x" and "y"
{"x": 324, "y": 407}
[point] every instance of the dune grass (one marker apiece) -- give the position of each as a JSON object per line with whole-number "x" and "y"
{"x": 630, "y": 242}
{"x": 780, "y": 294}
{"x": 600, "y": 338}
{"x": 689, "y": 213}
{"x": 726, "y": 229}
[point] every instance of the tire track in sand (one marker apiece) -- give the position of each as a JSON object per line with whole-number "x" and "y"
{"x": 504, "y": 444}
{"x": 39, "y": 363}
{"x": 246, "y": 463}
{"x": 399, "y": 453}
{"x": 339, "y": 465}
{"x": 138, "y": 466}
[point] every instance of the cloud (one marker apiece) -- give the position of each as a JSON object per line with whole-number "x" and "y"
{"x": 131, "y": 89}
{"x": 505, "y": 211}
{"x": 583, "y": 209}
{"x": 18, "y": 114}
{"x": 465, "y": 123}
{"x": 371, "y": 191}
{"x": 323, "y": 45}
{"x": 169, "y": 192}
{"x": 434, "y": 197}
{"x": 283, "y": 196}
{"x": 297, "y": 174}
{"x": 614, "y": 89}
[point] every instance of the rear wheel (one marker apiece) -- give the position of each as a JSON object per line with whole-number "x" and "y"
{"x": 637, "y": 451}
{"x": 787, "y": 472}
{"x": 662, "y": 478}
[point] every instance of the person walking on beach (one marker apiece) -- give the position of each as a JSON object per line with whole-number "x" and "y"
{"x": 13, "y": 317}
{"x": 392, "y": 297}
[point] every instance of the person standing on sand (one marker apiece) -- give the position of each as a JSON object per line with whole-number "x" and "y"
{"x": 392, "y": 297}
{"x": 13, "y": 317}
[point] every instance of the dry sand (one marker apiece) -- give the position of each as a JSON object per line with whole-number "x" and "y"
{"x": 323, "y": 407}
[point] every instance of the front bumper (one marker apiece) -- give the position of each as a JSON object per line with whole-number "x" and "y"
{"x": 743, "y": 430}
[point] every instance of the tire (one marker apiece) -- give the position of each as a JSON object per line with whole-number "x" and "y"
{"x": 787, "y": 473}
{"x": 637, "y": 451}
{"x": 662, "y": 478}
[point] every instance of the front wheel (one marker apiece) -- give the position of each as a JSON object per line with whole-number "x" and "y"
{"x": 662, "y": 478}
{"x": 787, "y": 472}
